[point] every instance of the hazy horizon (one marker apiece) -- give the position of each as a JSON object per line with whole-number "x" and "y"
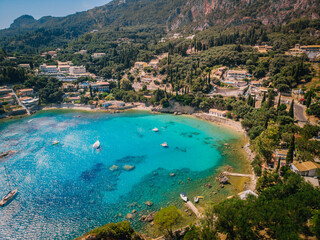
{"x": 12, "y": 9}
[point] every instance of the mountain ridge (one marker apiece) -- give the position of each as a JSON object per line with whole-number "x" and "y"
{"x": 172, "y": 15}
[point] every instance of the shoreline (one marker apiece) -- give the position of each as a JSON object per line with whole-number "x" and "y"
{"x": 223, "y": 122}
{"x": 244, "y": 182}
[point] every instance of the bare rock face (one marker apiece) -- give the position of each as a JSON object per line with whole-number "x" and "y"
{"x": 200, "y": 14}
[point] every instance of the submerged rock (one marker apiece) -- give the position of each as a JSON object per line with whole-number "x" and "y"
{"x": 148, "y": 203}
{"x": 172, "y": 174}
{"x": 129, "y": 216}
{"x": 114, "y": 168}
{"x": 128, "y": 167}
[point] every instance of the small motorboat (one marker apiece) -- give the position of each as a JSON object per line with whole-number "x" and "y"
{"x": 165, "y": 145}
{"x": 96, "y": 145}
{"x": 55, "y": 142}
{"x": 196, "y": 199}
{"x": 30, "y": 120}
{"x": 155, "y": 130}
{"x": 184, "y": 197}
{"x": 8, "y": 197}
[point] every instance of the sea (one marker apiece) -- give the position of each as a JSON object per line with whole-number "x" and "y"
{"x": 67, "y": 189}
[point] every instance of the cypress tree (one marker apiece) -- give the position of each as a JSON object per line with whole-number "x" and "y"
{"x": 249, "y": 100}
{"x": 279, "y": 102}
{"x": 291, "y": 110}
{"x": 264, "y": 98}
{"x": 254, "y": 102}
{"x": 308, "y": 101}
{"x": 291, "y": 149}
{"x": 270, "y": 102}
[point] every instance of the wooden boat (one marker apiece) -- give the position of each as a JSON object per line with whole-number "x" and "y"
{"x": 184, "y": 197}
{"x": 165, "y": 145}
{"x": 8, "y": 197}
{"x": 155, "y": 130}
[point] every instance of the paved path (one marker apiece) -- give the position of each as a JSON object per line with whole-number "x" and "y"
{"x": 20, "y": 103}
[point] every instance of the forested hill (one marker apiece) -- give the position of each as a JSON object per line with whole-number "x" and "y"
{"x": 27, "y": 34}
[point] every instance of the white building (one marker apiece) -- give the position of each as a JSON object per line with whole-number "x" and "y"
{"x": 233, "y": 75}
{"x": 98, "y": 55}
{"x": 100, "y": 86}
{"x": 49, "y": 68}
{"x": 77, "y": 70}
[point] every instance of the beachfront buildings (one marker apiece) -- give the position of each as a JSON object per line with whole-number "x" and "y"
{"x": 140, "y": 65}
{"x": 305, "y": 168}
{"x": 218, "y": 113}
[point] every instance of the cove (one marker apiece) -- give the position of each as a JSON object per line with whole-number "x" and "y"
{"x": 70, "y": 188}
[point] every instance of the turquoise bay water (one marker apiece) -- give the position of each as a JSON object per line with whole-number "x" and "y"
{"x": 68, "y": 188}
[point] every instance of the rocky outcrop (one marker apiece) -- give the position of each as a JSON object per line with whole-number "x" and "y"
{"x": 148, "y": 218}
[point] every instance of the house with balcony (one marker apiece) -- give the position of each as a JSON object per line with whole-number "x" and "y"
{"x": 140, "y": 65}
{"x": 100, "y": 86}
{"x": 26, "y": 92}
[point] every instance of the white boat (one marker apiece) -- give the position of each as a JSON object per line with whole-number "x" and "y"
{"x": 196, "y": 199}
{"x": 55, "y": 142}
{"x": 96, "y": 145}
{"x": 8, "y": 197}
{"x": 30, "y": 120}
{"x": 165, "y": 145}
{"x": 184, "y": 197}
{"x": 155, "y": 130}
{"x": 11, "y": 193}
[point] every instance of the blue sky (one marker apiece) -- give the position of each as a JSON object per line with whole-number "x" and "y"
{"x": 12, "y": 9}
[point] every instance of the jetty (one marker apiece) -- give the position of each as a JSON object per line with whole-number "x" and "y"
{"x": 238, "y": 174}
{"x": 194, "y": 209}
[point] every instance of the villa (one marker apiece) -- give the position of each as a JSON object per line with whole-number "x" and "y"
{"x": 233, "y": 75}
{"x": 98, "y": 55}
{"x": 25, "y": 92}
{"x": 77, "y": 70}
{"x": 101, "y": 86}
{"x": 263, "y": 48}
{"x": 305, "y": 168}
{"x": 140, "y": 65}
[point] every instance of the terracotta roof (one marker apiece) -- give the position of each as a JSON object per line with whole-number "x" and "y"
{"x": 306, "y": 166}
{"x": 26, "y": 90}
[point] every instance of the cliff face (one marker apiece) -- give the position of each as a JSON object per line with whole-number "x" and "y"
{"x": 203, "y": 13}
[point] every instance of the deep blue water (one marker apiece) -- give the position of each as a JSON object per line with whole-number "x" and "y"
{"x": 68, "y": 188}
